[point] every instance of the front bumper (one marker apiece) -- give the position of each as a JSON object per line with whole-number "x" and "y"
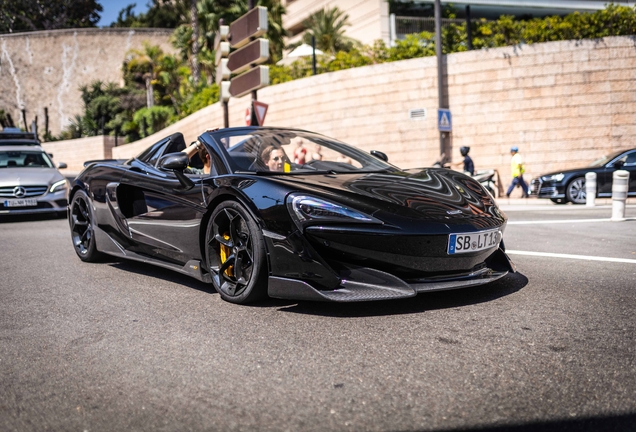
{"x": 549, "y": 189}
{"x": 52, "y": 202}
{"x": 368, "y": 284}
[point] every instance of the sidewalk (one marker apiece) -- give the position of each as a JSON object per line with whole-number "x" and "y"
{"x": 533, "y": 201}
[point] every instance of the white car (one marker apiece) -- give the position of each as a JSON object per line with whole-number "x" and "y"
{"x": 30, "y": 182}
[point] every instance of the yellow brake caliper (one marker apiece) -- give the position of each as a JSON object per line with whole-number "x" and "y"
{"x": 225, "y": 253}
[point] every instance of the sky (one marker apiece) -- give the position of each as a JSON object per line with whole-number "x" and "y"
{"x": 112, "y": 8}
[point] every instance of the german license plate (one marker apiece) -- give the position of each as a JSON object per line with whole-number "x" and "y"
{"x": 24, "y": 202}
{"x": 473, "y": 242}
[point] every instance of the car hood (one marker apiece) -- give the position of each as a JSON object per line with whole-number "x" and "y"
{"x": 575, "y": 171}
{"x": 433, "y": 194}
{"x": 29, "y": 176}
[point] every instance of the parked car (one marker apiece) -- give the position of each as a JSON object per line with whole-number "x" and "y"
{"x": 569, "y": 185}
{"x": 30, "y": 181}
{"x": 324, "y": 230}
{"x": 14, "y": 137}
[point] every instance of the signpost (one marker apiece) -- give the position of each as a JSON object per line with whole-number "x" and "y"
{"x": 222, "y": 71}
{"x": 251, "y": 80}
{"x": 260, "y": 109}
{"x": 251, "y": 25}
{"x": 444, "y": 120}
{"x": 250, "y": 52}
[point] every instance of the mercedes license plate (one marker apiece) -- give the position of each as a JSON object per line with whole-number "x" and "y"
{"x": 473, "y": 242}
{"x": 24, "y": 202}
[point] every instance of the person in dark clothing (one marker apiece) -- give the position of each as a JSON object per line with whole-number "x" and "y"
{"x": 469, "y": 166}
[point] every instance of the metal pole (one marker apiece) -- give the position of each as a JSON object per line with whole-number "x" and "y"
{"x": 225, "y": 104}
{"x": 440, "y": 73}
{"x": 469, "y": 29}
{"x": 254, "y": 119}
{"x": 313, "y": 52}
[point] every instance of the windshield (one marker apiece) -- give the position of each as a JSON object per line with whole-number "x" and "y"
{"x": 283, "y": 151}
{"x": 605, "y": 159}
{"x": 24, "y": 159}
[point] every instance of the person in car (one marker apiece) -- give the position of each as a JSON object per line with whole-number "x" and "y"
{"x": 274, "y": 158}
{"x": 191, "y": 150}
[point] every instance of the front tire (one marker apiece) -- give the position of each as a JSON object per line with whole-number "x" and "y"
{"x": 575, "y": 191}
{"x": 235, "y": 254}
{"x": 81, "y": 220}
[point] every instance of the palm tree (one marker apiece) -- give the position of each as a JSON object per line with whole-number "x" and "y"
{"x": 146, "y": 62}
{"x": 327, "y": 26}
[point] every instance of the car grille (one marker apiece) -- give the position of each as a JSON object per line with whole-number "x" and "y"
{"x": 30, "y": 191}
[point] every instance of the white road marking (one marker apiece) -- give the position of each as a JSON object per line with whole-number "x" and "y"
{"x": 569, "y": 256}
{"x": 556, "y": 221}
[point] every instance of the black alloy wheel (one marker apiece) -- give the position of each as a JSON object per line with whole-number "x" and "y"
{"x": 82, "y": 233}
{"x": 575, "y": 191}
{"x": 235, "y": 252}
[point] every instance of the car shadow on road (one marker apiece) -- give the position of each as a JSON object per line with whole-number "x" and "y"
{"x": 420, "y": 303}
{"x": 31, "y": 217}
{"x": 161, "y": 273}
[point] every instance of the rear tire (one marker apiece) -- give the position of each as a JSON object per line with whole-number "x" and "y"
{"x": 235, "y": 254}
{"x": 81, "y": 221}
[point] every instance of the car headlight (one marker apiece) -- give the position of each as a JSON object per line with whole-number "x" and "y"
{"x": 305, "y": 209}
{"x": 555, "y": 177}
{"x": 58, "y": 185}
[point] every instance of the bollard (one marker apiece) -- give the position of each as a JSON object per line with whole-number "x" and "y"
{"x": 590, "y": 189}
{"x": 620, "y": 181}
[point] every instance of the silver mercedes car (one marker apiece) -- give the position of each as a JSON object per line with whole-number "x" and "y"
{"x": 30, "y": 182}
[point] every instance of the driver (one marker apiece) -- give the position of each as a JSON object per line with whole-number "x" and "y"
{"x": 274, "y": 158}
{"x": 198, "y": 147}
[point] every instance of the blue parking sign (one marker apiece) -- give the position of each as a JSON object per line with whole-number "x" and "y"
{"x": 444, "y": 120}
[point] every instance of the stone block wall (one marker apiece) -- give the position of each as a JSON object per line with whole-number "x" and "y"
{"x": 75, "y": 152}
{"x": 563, "y": 103}
{"x": 46, "y": 69}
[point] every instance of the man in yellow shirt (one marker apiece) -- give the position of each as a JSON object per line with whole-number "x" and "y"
{"x": 517, "y": 168}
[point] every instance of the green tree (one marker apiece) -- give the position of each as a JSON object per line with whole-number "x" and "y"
{"x": 328, "y": 28}
{"x": 33, "y": 15}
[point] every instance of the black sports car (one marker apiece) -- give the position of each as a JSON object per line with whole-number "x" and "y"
{"x": 569, "y": 186}
{"x": 290, "y": 214}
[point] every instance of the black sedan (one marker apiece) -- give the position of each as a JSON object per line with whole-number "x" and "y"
{"x": 290, "y": 214}
{"x": 569, "y": 186}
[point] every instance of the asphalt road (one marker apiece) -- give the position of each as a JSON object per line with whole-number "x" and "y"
{"x": 127, "y": 346}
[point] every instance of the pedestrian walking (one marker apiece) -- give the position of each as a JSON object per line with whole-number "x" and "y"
{"x": 517, "y": 168}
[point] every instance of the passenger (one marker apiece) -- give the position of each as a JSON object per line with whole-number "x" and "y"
{"x": 274, "y": 158}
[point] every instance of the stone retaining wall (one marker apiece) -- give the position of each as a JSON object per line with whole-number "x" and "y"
{"x": 46, "y": 69}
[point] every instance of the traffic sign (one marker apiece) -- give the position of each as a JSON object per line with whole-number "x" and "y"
{"x": 222, "y": 52}
{"x": 222, "y": 72}
{"x": 251, "y": 25}
{"x": 260, "y": 109}
{"x": 225, "y": 91}
{"x": 221, "y": 36}
{"x": 444, "y": 120}
{"x": 254, "y": 53}
{"x": 253, "y": 79}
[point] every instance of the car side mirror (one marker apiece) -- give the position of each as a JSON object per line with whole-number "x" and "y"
{"x": 380, "y": 155}
{"x": 176, "y": 162}
{"x": 62, "y": 165}
{"x": 619, "y": 164}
